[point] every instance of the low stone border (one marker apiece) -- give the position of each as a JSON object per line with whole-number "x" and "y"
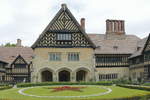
{"x": 21, "y": 91}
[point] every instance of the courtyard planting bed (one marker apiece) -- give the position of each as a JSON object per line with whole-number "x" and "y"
{"x": 71, "y": 92}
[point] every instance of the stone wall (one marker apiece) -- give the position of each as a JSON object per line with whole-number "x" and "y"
{"x": 122, "y": 72}
{"x": 41, "y": 63}
{"x": 137, "y": 72}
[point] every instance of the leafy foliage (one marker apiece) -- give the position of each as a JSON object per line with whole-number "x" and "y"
{"x": 5, "y": 87}
{"x": 146, "y": 84}
{"x": 147, "y": 88}
{"x": 9, "y": 45}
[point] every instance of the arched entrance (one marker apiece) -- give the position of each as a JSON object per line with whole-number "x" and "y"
{"x": 81, "y": 75}
{"x": 47, "y": 76}
{"x": 64, "y": 75}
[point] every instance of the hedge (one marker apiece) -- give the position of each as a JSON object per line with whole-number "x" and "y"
{"x": 107, "y": 83}
{"x": 146, "y": 84}
{"x": 5, "y": 87}
{"x": 145, "y": 97}
{"x": 147, "y": 88}
{"x": 2, "y": 84}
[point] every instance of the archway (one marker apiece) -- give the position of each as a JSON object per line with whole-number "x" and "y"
{"x": 47, "y": 76}
{"x": 81, "y": 75}
{"x": 64, "y": 75}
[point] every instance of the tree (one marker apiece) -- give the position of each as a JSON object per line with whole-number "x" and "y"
{"x": 10, "y": 45}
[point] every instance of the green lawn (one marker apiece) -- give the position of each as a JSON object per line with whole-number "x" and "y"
{"x": 117, "y": 92}
{"x": 45, "y": 91}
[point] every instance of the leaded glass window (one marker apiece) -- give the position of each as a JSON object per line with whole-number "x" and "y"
{"x": 20, "y": 66}
{"x": 1, "y": 65}
{"x": 73, "y": 56}
{"x": 108, "y": 76}
{"x": 63, "y": 36}
{"x": 55, "y": 56}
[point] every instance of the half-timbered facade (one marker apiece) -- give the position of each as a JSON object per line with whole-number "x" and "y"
{"x": 140, "y": 61}
{"x": 2, "y": 70}
{"x": 15, "y": 63}
{"x": 65, "y": 52}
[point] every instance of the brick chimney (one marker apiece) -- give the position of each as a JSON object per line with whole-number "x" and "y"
{"x": 115, "y": 27}
{"x": 82, "y": 23}
{"x": 18, "y": 43}
{"x": 64, "y": 6}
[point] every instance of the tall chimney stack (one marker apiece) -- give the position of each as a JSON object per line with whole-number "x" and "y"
{"x": 18, "y": 43}
{"x": 115, "y": 27}
{"x": 64, "y": 6}
{"x": 82, "y": 22}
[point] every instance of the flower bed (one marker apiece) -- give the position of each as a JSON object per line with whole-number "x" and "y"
{"x": 63, "y": 88}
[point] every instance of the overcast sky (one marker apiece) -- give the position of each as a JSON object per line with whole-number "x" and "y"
{"x": 26, "y": 19}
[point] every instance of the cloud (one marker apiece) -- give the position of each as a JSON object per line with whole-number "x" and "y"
{"x": 26, "y": 19}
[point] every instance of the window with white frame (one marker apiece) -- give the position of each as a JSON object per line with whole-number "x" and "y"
{"x": 108, "y": 76}
{"x": 73, "y": 56}
{"x": 63, "y": 36}
{"x": 54, "y": 56}
{"x": 1, "y": 65}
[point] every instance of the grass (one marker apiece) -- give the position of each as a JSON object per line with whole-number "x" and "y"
{"x": 43, "y": 91}
{"x": 117, "y": 92}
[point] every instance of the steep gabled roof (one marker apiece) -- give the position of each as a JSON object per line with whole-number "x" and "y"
{"x": 4, "y": 62}
{"x": 19, "y": 59}
{"x": 145, "y": 45}
{"x": 9, "y": 54}
{"x": 126, "y": 44}
{"x": 141, "y": 45}
{"x": 51, "y": 25}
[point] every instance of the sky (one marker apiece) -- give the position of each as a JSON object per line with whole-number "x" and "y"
{"x": 26, "y": 19}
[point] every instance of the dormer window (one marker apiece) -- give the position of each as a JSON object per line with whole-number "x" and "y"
{"x": 115, "y": 47}
{"x": 13, "y": 56}
{"x": 98, "y": 47}
{"x": 20, "y": 66}
{"x": 138, "y": 48}
{"x": 64, "y": 37}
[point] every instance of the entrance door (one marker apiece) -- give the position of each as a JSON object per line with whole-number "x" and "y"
{"x": 81, "y": 75}
{"x": 64, "y": 75}
{"x": 47, "y": 76}
{"x": 148, "y": 71}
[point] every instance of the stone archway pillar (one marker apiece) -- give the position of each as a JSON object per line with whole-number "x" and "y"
{"x": 56, "y": 77}
{"x": 38, "y": 77}
{"x": 73, "y": 77}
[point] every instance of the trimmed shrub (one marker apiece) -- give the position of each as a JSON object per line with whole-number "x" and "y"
{"x": 146, "y": 84}
{"x": 3, "y": 84}
{"x": 64, "y": 83}
{"x": 135, "y": 87}
{"x": 5, "y": 87}
{"x": 121, "y": 81}
{"x": 145, "y": 97}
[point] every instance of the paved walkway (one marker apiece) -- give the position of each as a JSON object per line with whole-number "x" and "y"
{"x": 21, "y": 91}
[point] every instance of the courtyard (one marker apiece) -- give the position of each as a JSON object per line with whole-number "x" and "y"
{"x": 70, "y": 92}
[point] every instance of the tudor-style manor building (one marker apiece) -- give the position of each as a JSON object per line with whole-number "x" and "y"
{"x": 65, "y": 52}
